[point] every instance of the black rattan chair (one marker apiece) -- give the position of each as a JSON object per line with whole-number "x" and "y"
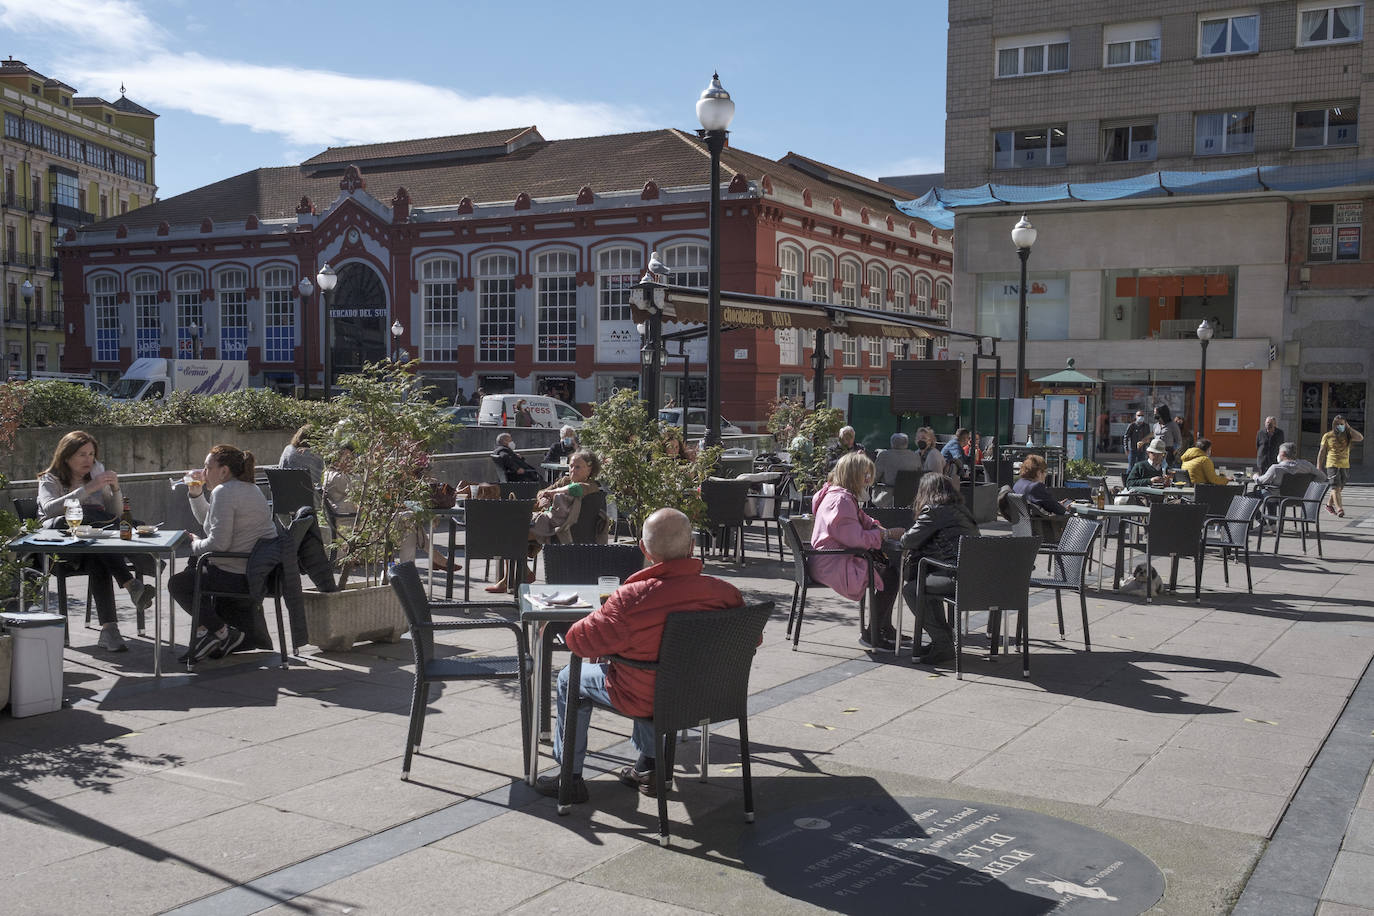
{"x": 291, "y": 489}
{"x": 1216, "y": 497}
{"x": 976, "y": 588}
{"x": 797, "y": 531}
{"x": 769, "y": 509}
{"x": 250, "y": 620}
{"x": 1173, "y": 530}
{"x": 523, "y": 489}
{"x": 583, "y": 564}
{"x": 1068, "y": 568}
{"x": 1273, "y": 508}
{"x": 904, "y": 488}
{"x": 405, "y": 581}
{"x": 592, "y": 525}
{"x": 1303, "y": 511}
{"x": 1231, "y": 532}
{"x": 702, "y": 678}
{"x": 725, "y": 501}
{"x": 26, "y": 508}
{"x": 497, "y": 529}
{"x": 892, "y": 516}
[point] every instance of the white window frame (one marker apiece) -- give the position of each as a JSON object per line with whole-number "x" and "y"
{"x": 1226, "y": 147}
{"x": 105, "y": 310}
{"x": 230, "y": 292}
{"x": 147, "y": 315}
{"x": 617, "y": 270}
{"x": 1028, "y": 50}
{"x": 1137, "y": 37}
{"x": 822, "y": 275}
{"x": 849, "y": 351}
{"x": 186, "y": 286}
{"x": 1132, "y": 143}
{"x": 942, "y": 294}
{"x": 922, "y": 294}
{"x": 439, "y": 314}
{"x": 555, "y": 290}
{"x": 495, "y": 308}
{"x": 901, "y": 292}
{"x": 1229, "y": 18}
{"x": 1330, "y": 26}
{"x": 789, "y": 346}
{"x": 688, "y": 264}
{"x": 789, "y": 272}
{"x": 877, "y": 286}
{"x": 278, "y": 316}
{"x": 791, "y": 386}
{"x": 875, "y": 348}
{"x": 849, "y": 283}
{"x": 1327, "y": 128}
{"x": 1015, "y": 161}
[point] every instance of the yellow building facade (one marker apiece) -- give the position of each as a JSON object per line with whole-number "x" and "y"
{"x": 65, "y": 160}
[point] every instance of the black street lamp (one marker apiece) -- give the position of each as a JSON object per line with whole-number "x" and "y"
{"x": 648, "y": 295}
{"x": 397, "y": 329}
{"x": 305, "y": 288}
{"x": 1023, "y": 237}
{"x": 1204, "y": 336}
{"x": 715, "y": 109}
{"x": 27, "y": 290}
{"x": 820, "y": 357}
{"x": 327, "y": 279}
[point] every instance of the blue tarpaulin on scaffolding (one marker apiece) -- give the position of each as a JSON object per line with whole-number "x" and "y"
{"x": 938, "y": 205}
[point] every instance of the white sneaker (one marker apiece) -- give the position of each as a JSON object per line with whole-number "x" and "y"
{"x": 141, "y": 594}
{"x": 111, "y": 641}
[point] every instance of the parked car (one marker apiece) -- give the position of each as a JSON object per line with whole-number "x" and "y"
{"x": 465, "y": 415}
{"x": 696, "y": 421}
{"x": 85, "y": 381}
{"x": 499, "y": 410}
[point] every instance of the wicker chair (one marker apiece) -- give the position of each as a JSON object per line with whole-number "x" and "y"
{"x": 797, "y": 531}
{"x": 1231, "y": 532}
{"x": 1068, "y": 568}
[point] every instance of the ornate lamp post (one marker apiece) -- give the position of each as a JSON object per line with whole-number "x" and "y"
{"x": 1204, "y": 336}
{"x": 305, "y": 288}
{"x": 327, "y": 279}
{"x": 1023, "y": 237}
{"x": 27, "y": 291}
{"x": 397, "y": 329}
{"x": 648, "y": 295}
{"x": 715, "y": 110}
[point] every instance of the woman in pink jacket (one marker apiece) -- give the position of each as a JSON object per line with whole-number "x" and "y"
{"x": 841, "y": 524}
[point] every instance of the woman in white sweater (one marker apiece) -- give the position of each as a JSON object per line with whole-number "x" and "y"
{"x": 75, "y": 473}
{"x": 235, "y": 516}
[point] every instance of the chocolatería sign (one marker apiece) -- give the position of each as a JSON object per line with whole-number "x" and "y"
{"x": 936, "y": 855}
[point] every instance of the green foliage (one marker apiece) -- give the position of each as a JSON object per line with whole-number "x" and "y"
{"x": 816, "y": 427}
{"x": 636, "y": 467}
{"x": 386, "y": 417}
{"x": 1082, "y": 469}
{"x": 48, "y": 402}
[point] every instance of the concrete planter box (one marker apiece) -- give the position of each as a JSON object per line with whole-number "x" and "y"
{"x": 6, "y": 660}
{"x": 336, "y": 620}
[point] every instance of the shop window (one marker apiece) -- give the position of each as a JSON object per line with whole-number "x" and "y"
{"x": 1167, "y": 303}
{"x": 1333, "y": 231}
{"x": 1047, "y": 306}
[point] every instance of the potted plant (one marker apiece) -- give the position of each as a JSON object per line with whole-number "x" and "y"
{"x": 817, "y": 427}
{"x": 636, "y": 468}
{"x": 387, "y": 428}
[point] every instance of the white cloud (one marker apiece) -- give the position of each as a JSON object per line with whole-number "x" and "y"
{"x": 112, "y": 25}
{"x": 317, "y": 107}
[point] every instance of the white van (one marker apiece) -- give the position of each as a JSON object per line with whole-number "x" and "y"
{"x": 499, "y": 410}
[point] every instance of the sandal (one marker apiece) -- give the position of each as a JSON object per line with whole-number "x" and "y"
{"x": 1340, "y": 513}
{"x": 1330, "y": 508}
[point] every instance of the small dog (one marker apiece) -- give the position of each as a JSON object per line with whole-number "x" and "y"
{"x": 1144, "y": 580}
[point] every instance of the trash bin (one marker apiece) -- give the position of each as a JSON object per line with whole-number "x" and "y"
{"x": 36, "y": 668}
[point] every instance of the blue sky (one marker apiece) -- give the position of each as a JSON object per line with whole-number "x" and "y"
{"x": 246, "y": 83}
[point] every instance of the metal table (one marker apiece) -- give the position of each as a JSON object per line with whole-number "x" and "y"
{"x": 536, "y": 618}
{"x": 453, "y": 519}
{"x": 553, "y": 470}
{"x": 158, "y": 544}
{"x": 1107, "y": 512}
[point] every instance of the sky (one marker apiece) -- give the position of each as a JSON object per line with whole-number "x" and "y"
{"x": 239, "y": 84}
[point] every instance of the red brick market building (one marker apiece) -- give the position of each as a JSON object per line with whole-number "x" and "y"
{"x": 507, "y": 259}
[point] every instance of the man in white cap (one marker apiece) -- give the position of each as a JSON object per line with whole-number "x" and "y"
{"x": 1153, "y": 471}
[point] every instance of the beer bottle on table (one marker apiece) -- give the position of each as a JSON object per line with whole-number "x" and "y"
{"x": 126, "y": 522}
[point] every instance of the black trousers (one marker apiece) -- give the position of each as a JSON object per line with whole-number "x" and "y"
{"x": 183, "y": 586}
{"x": 880, "y": 618}
{"x": 104, "y": 571}
{"x": 933, "y": 619}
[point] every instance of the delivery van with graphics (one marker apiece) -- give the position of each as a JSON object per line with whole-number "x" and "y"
{"x": 152, "y": 378}
{"x": 499, "y": 410}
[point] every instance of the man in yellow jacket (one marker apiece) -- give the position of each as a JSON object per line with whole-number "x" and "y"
{"x": 1197, "y": 461}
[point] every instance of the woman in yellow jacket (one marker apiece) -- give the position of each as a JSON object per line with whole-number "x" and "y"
{"x": 1197, "y": 461}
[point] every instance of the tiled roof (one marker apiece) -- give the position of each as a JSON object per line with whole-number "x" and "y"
{"x": 422, "y": 147}
{"x": 88, "y": 100}
{"x": 130, "y": 107}
{"x": 542, "y": 169}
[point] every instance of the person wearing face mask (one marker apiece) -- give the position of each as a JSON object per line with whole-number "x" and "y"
{"x": 1136, "y": 438}
{"x": 1334, "y": 459}
{"x": 567, "y": 444}
{"x": 931, "y": 459}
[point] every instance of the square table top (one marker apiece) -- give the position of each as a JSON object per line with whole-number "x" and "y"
{"x": 589, "y": 600}
{"x": 160, "y": 541}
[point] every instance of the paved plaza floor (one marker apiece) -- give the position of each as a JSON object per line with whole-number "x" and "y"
{"x": 1226, "y": 740}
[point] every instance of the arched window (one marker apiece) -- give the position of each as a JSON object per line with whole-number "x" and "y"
{"x": 942, "y": 298}
{"x": 617, "y": 271}
{"x": 789, "y": 264}
{"x": 687, "y": 264}
{"x": 230, "y": 291}
{"x": 496, "y": 308}
{"x": 849, "y": 283}
{"x": 822, "y": 273}
{"x": 106, "y": 313}
{"x": 439, "y": 309}
{"x": 901, "y": 295}
{"x": 147, "y": 315}
{"x": 189, "y": 310}
{"x": 555, "y": 286}
{"x": 922, "y": 295}
{"x": 877, "y": 287}
{"x": 278, "y": 316}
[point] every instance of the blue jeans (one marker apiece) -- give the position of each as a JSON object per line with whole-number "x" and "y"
{"x": 593, "y": 687}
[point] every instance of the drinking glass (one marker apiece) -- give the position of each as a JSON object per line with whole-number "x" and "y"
{"x": 605, "y": 585}
{"x": 72, "y": 512}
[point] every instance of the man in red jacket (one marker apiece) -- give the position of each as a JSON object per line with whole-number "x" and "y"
{"x": 630, "y": 623}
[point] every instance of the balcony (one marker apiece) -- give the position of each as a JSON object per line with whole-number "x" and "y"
{"x": 17, "y": 259}
{"x": 62, "y": 213}
{"x": 11, "y": 199}
{"x": 39, "y": 207}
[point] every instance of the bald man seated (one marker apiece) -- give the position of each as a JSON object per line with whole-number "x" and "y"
{"x": 630, "y": 624}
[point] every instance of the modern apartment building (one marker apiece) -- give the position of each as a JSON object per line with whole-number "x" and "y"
{"x": 508, "y": 260}
{"x": 68, "y": 160}
{"x": 1182, "y": 161}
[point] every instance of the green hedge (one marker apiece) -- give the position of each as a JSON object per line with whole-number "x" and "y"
{"x": 47, "y": 402}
